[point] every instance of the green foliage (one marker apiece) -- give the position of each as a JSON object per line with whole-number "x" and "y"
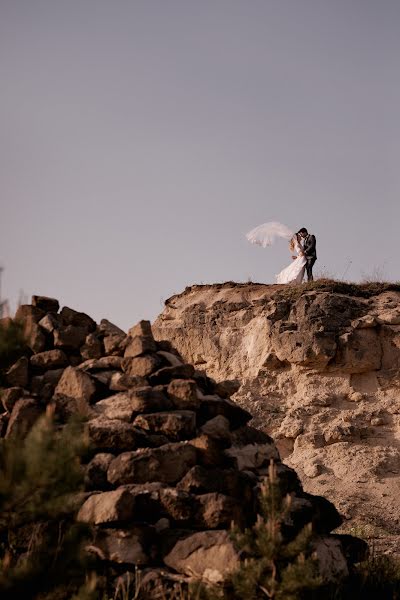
{"x": 40, "y": 544}
{"x": 12, "y": 345}
{"x": 273, "y": 567}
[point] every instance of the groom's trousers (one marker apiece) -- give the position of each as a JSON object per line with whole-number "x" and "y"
{"x": 309, "y": 267}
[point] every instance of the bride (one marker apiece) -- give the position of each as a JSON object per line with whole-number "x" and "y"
{"x": 294, "y": 273}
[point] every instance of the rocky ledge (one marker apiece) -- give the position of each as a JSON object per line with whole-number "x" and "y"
{"x": 319, "y": 368}
{"x": 173, "y": 460}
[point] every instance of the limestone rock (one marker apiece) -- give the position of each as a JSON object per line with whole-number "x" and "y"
{"x": 207, "y": 555}
{"x": 167, "y": 464}
{"x": 79, "y": 319}
{"x": 107, "y": 328}
{"x": 107, "y": 508}
{"x": 50, "y": 359}
{"x": 92, "y": 348}
{"x": 96, "y": 471}
{"x": 24, "y": 414}
{"x": 45, "y": 303}
{"x": 139, "y": 345}
{"x": 140, "y": 366}
{"x": 9, "y": 397}
{"x": 110, "y": 435}
{"x": 71, "y": 337}
{"x": 18, "y": 374}
{"x": 128, "y": 547}
{"x": 74, "y": 383}
{"x": 184, "y": 394}
{"x": 176, "y": 425}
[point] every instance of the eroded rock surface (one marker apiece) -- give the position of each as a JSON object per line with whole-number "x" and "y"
{"x": 319, "y": 371}
{"x": 173, "y": 460}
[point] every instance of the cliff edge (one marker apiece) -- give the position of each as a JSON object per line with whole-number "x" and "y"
{"x": 319, "y": 368}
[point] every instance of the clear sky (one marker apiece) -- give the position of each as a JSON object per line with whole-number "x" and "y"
{"x": 141, "y": 139}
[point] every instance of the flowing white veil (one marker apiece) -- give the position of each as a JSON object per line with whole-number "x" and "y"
{"x": 266, "y": 234}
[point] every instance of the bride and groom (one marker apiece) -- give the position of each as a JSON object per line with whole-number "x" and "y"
{"x": 304, "y": 245}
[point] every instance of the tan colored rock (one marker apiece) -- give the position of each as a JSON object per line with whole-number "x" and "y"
{"x": 71, "y": 337}
{"x": 102, "y": 363}
{"x": 217, "y": 428}
{"x": 121, "y": 382}
{"x": 141, "y": 366}
{"x": 107, "y": 508}
{"x": 207, "y": 555}
{"x": 27, "y": 312}
{"x": 96, "y": 471}
{"x": 35, "y": 337}
{"x": 18, "y": 374}
{"x": 24, "y": 414}
{"x": 79, "y": 319}
{"x": 123, "y": 546}
{"x": 45, "y": 303}
{"x": 74, "y": 383}
{"x": 176, "y": 425}
{"x": 217, "y": 511}
{"x": 92, "y": 348}
{"x": 9, "y": 397}
{"x": 166, "y": 464}
{"x": 50, "y": 359}
{"x": 171, "y": 359}
{"x": 184, "y": 393}
{"x": 332, "y": 565}
{"x": 49, "y": 322}
{"x": 143, "y": 328}
{"x": 139, "y": 345}
{"x": 113, "y": 435}
{"x": 108, "y": 328}
{"x": 114, "y": 344}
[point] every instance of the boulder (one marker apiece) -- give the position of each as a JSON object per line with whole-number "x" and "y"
{"x": 107, "y": 508}
{"x": 18, "y": 374}
{"x": 24, "y": 414}
{"x": 79, "y": 319}
{"x": 139, "y": 345}
{"x": 141, "y": 366}
{"x": 92, "y": 348}
{"x": 10, "y": 396}
{"x": 176, "y": 425}
{"x": 46, "y": 304}
{"x": 96, "y": 471}
{"x": 130, "y": 547}
{"x": 218, "y": 511}
{"x": 50, "y": 359}
{"x": 143, "y": 328}
{"x": 74, "y": 383}
{"x": 184, "y": 394}
{"x": 114, "y": 344}
{"x": 71, "y": 337}
{"x": 206, "y": 555}
{"x": 167, "y": 464}
{"x": 50, "y": 322}
{"x": 212, "y": 406}
{"x": 27, "y": 312}
{"x": 114, "y": 435}
{"x": 107, "y": 328}
{"x": 166, "y": 374}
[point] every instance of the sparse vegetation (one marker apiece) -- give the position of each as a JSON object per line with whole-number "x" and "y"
{"x": 12, "y": 345}
{"x": 41, "y": 547}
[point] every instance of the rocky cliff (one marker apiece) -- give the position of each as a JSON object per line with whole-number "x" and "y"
{"x": 172, "y": 459}
{"x": 318, "y": 367}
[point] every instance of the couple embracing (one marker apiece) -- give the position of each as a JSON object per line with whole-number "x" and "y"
{"x": 304, "y": 254}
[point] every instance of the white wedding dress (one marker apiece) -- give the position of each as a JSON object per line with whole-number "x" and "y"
{"x": 294, "y": 273}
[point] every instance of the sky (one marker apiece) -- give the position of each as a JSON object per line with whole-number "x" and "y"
{"x": 141, "y": 139}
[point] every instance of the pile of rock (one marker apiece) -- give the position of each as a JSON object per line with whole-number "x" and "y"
{"x": 174, "y": 460}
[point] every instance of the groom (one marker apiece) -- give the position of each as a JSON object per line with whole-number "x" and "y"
{"x": 310, "y": 251}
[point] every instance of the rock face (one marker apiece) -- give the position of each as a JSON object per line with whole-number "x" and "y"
{"x": 173, "y": 460}
{"x": 320, "y": 372}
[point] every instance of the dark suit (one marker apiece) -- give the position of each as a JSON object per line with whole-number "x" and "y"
{"x": 310, "y": 251}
